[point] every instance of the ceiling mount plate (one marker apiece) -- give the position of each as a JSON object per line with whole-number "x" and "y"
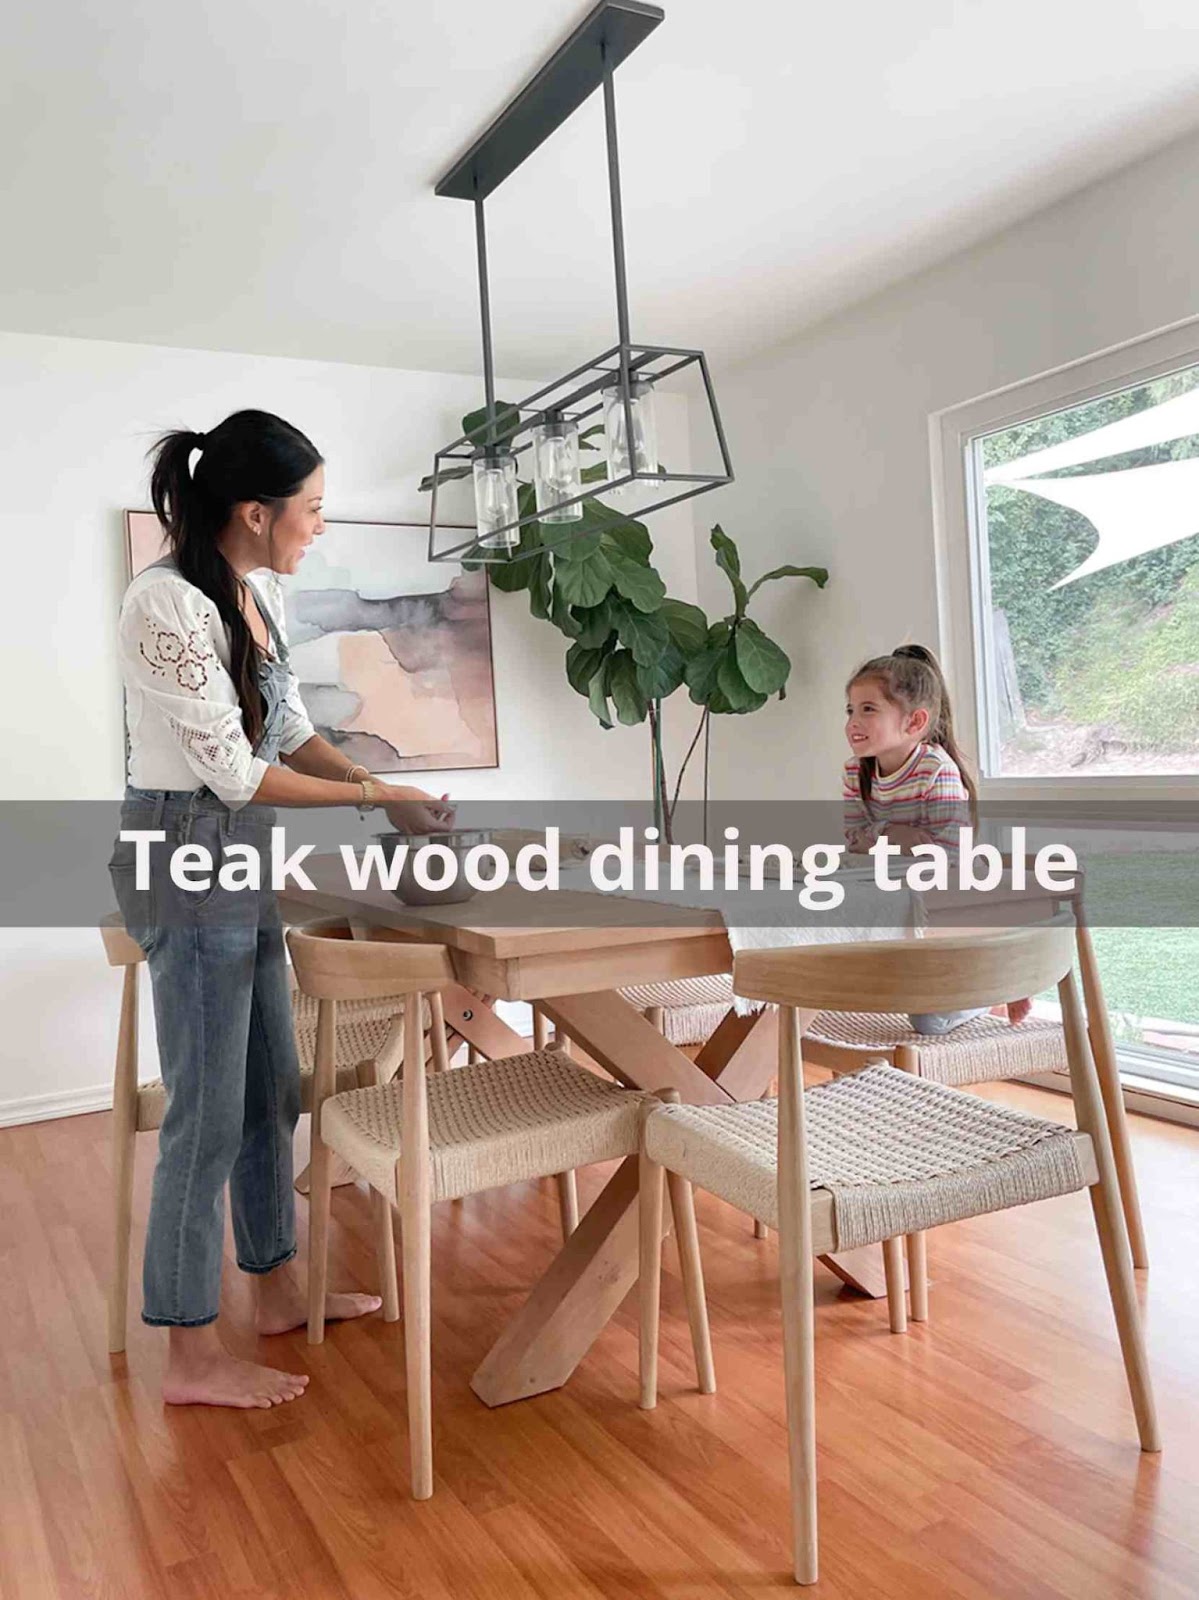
{"x": 604, "y": 38}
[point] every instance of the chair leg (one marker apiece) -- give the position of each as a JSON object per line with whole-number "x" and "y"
{"x": 415, "y": 1224}
{"x": 896, "y": 1297}
{"x": 384, "y": 1222}
{"x": 649, "y": 1211}
{"x": 1109, "y": 1217}
{"x": 907, "y": 1059}
{"x": 385, "y": 1252}
{"x": 761, "y": 1231}
{"x": 320, "y": 1189}
{"x": 124, "y": 1138}
{"x": 798, "y": 1302}
{"x": 568, "y": 1202}
{"x": 918, "y": 1276}
{"x": 682, "y": 1208}
{"x": 568, "y": 1189}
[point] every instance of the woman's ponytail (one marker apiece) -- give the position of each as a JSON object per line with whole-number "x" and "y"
{"x": 251, "y": 455}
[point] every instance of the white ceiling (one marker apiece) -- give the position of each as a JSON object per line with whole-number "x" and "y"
{"x": 257, "y": 175}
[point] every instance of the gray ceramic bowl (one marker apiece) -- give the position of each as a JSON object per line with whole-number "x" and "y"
{"x": 459, "y": 840}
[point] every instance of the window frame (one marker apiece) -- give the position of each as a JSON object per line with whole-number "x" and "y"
{"x": 961, "y": 557}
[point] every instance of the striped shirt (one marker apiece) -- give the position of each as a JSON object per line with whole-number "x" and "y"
{"x": 926, "y": 793}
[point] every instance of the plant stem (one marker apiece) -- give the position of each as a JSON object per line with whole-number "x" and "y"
{"x": 703, "y": 722}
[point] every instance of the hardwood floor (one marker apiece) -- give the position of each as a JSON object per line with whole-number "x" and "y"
{"x": 989, "y": 1455}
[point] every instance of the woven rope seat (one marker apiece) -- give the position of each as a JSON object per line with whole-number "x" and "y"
{"x": 498, "y": 1122}
{"x": 362, "y": 1029}
{"x": 897, "y": 1153}
{"x": 692, "y": 1008}
{"x": 983, "y": 1051}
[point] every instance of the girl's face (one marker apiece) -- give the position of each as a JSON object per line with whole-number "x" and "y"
{"x": 297, "y": 522}
{"x": 876, "y": 726}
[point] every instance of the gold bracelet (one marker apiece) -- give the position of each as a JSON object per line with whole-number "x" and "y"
{"x": 371, "y": 795}
{"x": 356, "y": 768}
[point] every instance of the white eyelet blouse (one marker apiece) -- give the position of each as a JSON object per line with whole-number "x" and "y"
{"x": 181, "y": 708}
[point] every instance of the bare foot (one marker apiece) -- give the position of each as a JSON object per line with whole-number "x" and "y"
{"x": 1017, "y": 1010}
{"x": 283, "y": 1303}
{"x": 201, "y": 1372}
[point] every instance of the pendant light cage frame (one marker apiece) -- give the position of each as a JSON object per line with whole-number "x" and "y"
{"x": 585, "y": 62}
{"x": 576, "y": 398}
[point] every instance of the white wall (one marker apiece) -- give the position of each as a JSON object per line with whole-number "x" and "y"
{"x": 830, "y": 437}
{"x": 76, "y": 418}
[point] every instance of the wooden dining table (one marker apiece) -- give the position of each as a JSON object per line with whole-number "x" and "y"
{"x": 573, "y": 970}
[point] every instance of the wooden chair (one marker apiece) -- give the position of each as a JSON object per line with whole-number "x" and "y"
{"x": 880, "y": 1153}
{"x": 422, "y": 1139}
{"x": 363, "y": 1031}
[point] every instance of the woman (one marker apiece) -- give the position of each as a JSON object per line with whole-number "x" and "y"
{"x": 218, "y": 737}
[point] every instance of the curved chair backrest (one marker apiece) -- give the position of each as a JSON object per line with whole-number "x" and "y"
{"x": 937, "y": 974}
{"x": 331, "y": 964}
{"x": 120, "y": 947}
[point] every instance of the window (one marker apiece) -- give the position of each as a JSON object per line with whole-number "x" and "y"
{"x": 1068, "y": 538}
{"x": 1088, "y": 527}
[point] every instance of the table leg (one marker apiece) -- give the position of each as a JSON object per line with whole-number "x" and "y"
{"x": 1104, "y": 1050}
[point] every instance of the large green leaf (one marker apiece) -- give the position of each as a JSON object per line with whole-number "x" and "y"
{"x": 636, "y": 581}
{"x": 588, "y": 435}
{"x": 446, "y": 475}
{"x": 643, "y": 632}
{"x": 595, "y": 623}
{"x": 632, "y": 538}
{"x": 596, "y": 473}
{"x": 687, "y": 623}
{"x": 570, "y": 541}
{"x": 818, "y": 575}
{"x": 628, "y": 697}
{"x": 581, "y": 666}
{"x": 764, "y": 666}
{"x": 563, "y": 617}
{"x": 664, "y": 674}
{"x": 509, "y": 576}
{"x": 729, "y": 563}
{"x": 585, "y": 582}
{"x": 597, "y": 696}
{"x": 732, "y": 685}
{"x": 539, "y": 587}
{"x": 701, "y": 673}
{"x": 727, "y": 556}
{"x": 507, "y": 420}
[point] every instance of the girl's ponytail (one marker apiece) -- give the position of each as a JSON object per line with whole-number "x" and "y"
{"x": 251, "y": 455}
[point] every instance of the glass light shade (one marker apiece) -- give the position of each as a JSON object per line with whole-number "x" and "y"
{"x": 496, "y": 501}
{"x": 645, "y": 433}
{"x": 556, "y": 475}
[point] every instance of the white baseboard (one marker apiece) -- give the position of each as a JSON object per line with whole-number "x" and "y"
{"x": 66, "y": 1103}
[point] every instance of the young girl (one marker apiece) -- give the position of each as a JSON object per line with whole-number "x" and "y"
{"x": 907, "y": 778}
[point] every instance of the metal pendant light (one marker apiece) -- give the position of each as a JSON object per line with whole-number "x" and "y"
{"x": 615, "y": 392}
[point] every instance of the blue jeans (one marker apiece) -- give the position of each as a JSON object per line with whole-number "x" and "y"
{"x": 222, "y": 1012}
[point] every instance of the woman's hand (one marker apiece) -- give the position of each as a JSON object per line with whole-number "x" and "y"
{"x": 413, "y": 811}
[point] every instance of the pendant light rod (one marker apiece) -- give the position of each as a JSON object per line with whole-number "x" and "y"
{"x": 618, "y": 257}
{"x": 485, "y": 318}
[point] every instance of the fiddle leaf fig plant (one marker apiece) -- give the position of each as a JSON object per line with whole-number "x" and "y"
{"x": 631, "y": 644}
